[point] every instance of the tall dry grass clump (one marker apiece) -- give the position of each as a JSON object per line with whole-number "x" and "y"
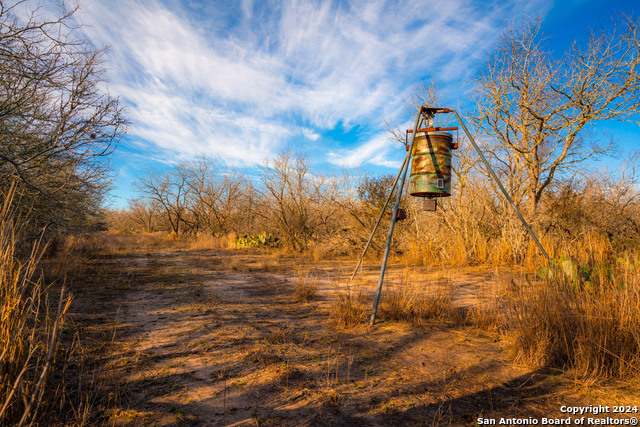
{"x": 418, "y": 304}
{"x": 305, "y": 287}
{"x": 584, "y": 318}
{"x": 349, "y": 309}
{"x": 29, "y": 328}
{"x": 409, "y": 302}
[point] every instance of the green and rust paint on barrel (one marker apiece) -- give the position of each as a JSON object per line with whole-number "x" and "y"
{"x": 430, "y": 160}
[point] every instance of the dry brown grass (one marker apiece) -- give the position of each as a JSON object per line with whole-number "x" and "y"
{"x": 418, "y": 304}
{"x": 305, "y": 287}
{"x": 586, "y": 319}
{"x": 333, "y": 369}
{"x": 487, "y": 317}
{"x": 408, "y": 302}
{"x": 30, "y": 328}
{"x": 91, "y": 244}
{"x": 349, "y": 309}
{"x": 594, "y": 330}
{"x": 209, "y": 241}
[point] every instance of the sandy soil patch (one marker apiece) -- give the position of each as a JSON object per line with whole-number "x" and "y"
{"x": 216, "y": 338}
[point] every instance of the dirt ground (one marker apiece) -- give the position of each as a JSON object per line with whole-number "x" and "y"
{"x": 215, "y": 337}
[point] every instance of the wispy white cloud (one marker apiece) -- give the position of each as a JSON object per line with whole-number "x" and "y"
{"x": 240, "y": 82}
{"x": 310, "y": 134}
{"x": 374, "y": 151}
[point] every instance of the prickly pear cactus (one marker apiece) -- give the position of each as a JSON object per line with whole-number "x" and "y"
{"x": 261, "y": 240}
{"x": 569, "y": 269}
{"x": 565, "y": 268}
{"x": 545, "y": 273}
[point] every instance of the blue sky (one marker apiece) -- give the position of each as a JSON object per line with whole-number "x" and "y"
{"x": 242, "y": 80}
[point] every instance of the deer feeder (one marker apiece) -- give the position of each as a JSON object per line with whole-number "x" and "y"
{"x": 431, "y": 164}
{"x": 430, "y": 161}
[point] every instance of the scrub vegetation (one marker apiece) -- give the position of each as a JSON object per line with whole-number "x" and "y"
{"x": 217, "y": 297}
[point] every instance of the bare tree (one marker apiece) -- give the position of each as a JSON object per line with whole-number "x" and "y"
{"x": 535, "y": 110}
{"x": 196, "y": 197}
{"x": 171, "y": 192}
{"x": 145, "y": 214}
{"x": 217, "y": 200}
{"x": 57, "y": 125}
{"x": 606, "y": 204}
{"x": 293, "y": 199}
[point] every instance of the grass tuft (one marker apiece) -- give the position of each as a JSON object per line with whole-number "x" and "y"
{"x": 349, "y": 310}
{"x": 306, "y": 287}
{"x": 414, "y": 304}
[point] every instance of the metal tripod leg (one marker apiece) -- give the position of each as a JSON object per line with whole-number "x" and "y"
{"x": 403, "y": 172}
{"x": 384, "y": 208}
{"x": 504, "y": 192}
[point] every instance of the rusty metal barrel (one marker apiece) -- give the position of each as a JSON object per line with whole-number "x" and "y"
{"x": 431, "y": 165}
